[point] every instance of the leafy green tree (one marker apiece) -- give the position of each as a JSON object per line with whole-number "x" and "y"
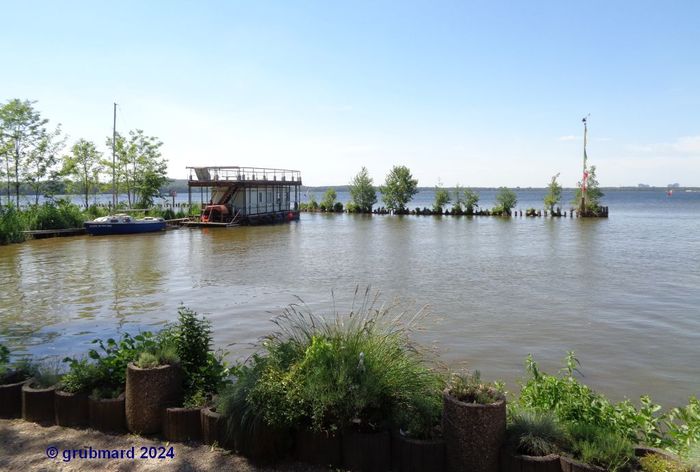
{"x": 593, "y": 193}
{"x": 458, "y": 201}
{"x": 471, "y": 199}
{"x": 21, "y": 131}
{"x": 329, "y": 199}
{"x": 39, "y": 166}
{"x": 83, "y": 164}
{"x": 506, "y": 199}
{"x": 117, "y": 170}
{"x": 362, "y": 192}
{"x": 148, "y": 167}
{"x": 553, "y": 195}
{"x": 442, "y": 198}
{"x": 399, "y": 188}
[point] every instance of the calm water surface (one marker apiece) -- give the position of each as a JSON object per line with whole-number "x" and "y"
{"x": 624, "y": 293}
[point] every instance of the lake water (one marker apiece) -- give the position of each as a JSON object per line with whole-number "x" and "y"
{"x": 623, "y": 292}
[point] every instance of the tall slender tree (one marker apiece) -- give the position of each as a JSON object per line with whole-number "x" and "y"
{"x": 23, "y": 128}
{"x": 84, "y": 164}
{"x": 42, "y": 160}
{"x": 553, "y": 195}
{"x": 362, "y": 192}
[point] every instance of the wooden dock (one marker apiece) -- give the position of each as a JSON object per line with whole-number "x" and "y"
{"x": 53, "y": 233}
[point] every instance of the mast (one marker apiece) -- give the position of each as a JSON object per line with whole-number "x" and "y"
{"x": 584, "y": 180}
{"x": 114, "y": 166}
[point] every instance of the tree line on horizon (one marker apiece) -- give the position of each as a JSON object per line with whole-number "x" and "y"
{"x": 400, "y": 187}
{"x": 35, "y": 157}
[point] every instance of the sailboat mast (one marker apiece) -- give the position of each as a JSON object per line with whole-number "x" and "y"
{"x": 584, "y": 180}
{"x": 114, "y": 166}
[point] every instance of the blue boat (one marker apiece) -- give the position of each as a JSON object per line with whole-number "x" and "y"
{"x": 123, "y": 224}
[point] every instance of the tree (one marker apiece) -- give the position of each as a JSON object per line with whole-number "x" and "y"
{"x": 42, "y": 160}
{"x": 554, "y": 195}
{"x": 471, "y": 199}
{"x": 117, "y": 169}
{"x": 362, "y": 191}
{"x": 399, "y": 188}
{"x": 328, "y": 200}
{"x": 506, "y": 200}
{"x": 139, "y": 165}
{"x": 442, "y": 198}
{"x": 458, "y": 198}
{"x": 84, "y": 164}
{"x": 21, "y": 129}
{"x": 145, "y": 169}
{"x": 593, "y": 194}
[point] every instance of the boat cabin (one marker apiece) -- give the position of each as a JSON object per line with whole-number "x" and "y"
{"x": 244, "y": 195}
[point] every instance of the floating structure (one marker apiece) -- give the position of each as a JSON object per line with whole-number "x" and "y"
{"x": 232, "y": 196}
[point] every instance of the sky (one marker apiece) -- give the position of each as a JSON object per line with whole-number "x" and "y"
{"x": 476, "y": 93}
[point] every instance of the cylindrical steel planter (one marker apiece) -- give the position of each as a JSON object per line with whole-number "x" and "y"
{"x": 38, "y": 405}
{"x": 148, "y": 393}
{"x": 72, "y": 409}
{"x": 473, "y": 434}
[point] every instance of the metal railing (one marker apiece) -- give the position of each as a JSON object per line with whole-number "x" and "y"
{"x": 243, "y": 173}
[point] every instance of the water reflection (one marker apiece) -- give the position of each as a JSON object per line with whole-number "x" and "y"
{"x": 622, "y": 292}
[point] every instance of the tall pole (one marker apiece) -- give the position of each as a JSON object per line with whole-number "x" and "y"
{"x": 584, "y": 180}
{"x": 114, "y": 161}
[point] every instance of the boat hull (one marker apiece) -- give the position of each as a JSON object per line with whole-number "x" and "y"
{"x": 102, "y": 229}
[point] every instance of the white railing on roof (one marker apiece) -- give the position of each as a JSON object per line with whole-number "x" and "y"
{"x": 244, "y": 173}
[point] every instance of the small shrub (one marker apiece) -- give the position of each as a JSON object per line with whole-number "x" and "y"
{"x": 599, "y": 446}
{"x": 4, "y": 356}
{"x": 113, "y": 357}
{"x": 534, "y": 434}
{"x": 657, "y": 463}
{"x": 469, "y": 388}
{"x": 11, "y": 225}
{"x": 82, "y": 376}
{"x": 197, "y": 399}
{"x": 46, "y": 375}
{"x": 147, "y": 360}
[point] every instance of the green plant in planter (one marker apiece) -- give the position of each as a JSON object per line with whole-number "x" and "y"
{"x": 599, "y": 446}
{"x": 571, "y": 401}
{"x": 357, "y": 370}
{"x": 197, "y": 399}
{"x": 4, "y": 357}
{"x": 82, "y": 376}
{"x": 420, "y": 417}
{"x": 46, "y": 375}
{"x": 657, "y": 463}
{"x": 469, "y": 388}
{"x": 14, "y": 372}
{"x": 190, "y": 341}
{"x": 147, "y": 360}
{"x": 534, "y": 433}
{"x": 113, "y": 357}
{"x": 243, "y": 418}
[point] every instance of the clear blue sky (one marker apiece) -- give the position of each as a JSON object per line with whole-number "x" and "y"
{"x": 477, "y": 93}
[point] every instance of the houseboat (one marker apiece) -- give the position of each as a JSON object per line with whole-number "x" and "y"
{"x": 231, "y": 196}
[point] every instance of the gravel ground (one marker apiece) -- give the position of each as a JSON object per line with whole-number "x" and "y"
{"x": 24, "y": 447}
